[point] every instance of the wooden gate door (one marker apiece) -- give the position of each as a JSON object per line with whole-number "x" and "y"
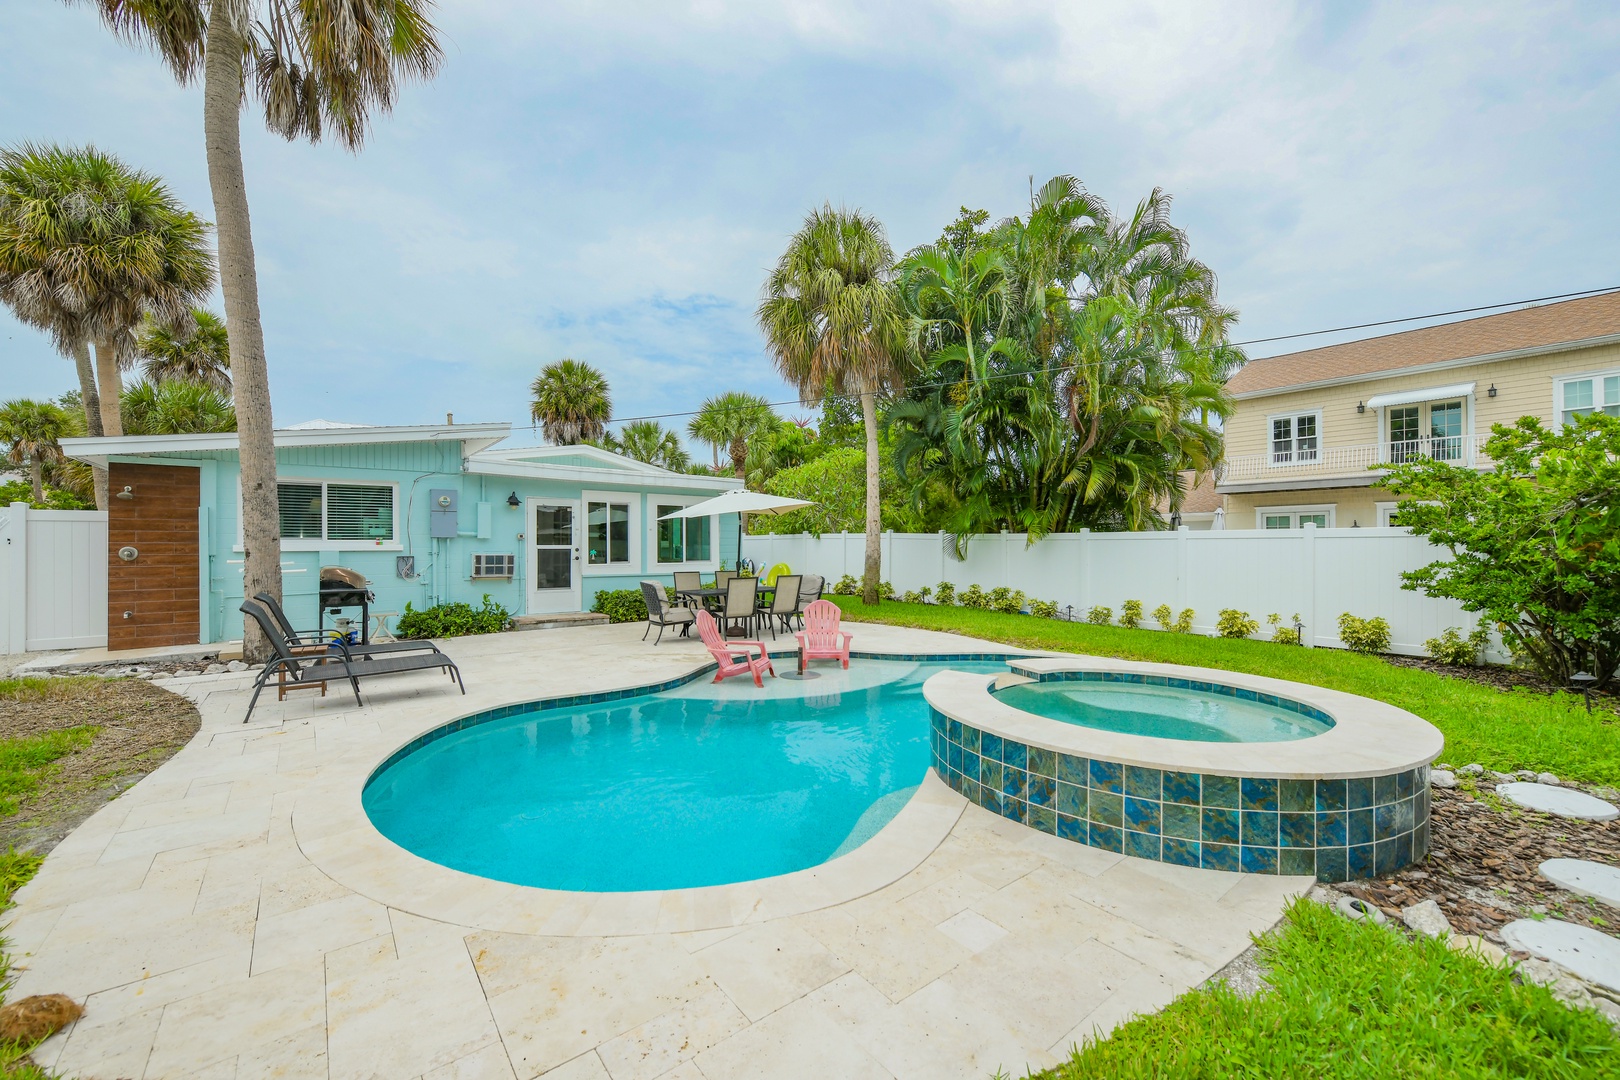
{"x": 152, "y": 556}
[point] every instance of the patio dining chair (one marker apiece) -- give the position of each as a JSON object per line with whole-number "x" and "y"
{"x": 784, "y": 603}
{"x": 821, "y": 638}
{"x": 661, "y": 613}
{"x": 733, "y": 657}
{"x": 721, "y": 577}
{"x": 687, "y": 580}
{"x": 741, "y": 600}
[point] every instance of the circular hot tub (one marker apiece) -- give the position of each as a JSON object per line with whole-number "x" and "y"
{"x": 1190, "y": 766}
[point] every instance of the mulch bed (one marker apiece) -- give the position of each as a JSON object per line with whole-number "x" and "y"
{"x": 1500, "y": 677}
{"x": 1482, "y": 863}
{"x": 142, "y": 726}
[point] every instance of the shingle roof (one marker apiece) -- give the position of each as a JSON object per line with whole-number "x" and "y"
{"x": 1527, "y": 328}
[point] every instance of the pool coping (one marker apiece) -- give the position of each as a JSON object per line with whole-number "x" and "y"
{"x": 335, "y": 833}
{"x": 1368, "y": 737}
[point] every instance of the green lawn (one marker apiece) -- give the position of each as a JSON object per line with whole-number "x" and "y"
{"x": 15, "y": 870}
{"x": 1353, "y": 1000}
{"x": 1503, "y": 731}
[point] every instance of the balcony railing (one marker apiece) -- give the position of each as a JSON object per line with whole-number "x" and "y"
{"x": 1347, "y": 461}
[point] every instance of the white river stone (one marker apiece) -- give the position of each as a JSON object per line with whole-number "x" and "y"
{"x": 1564, "y": 802}
{"x": 1589, "y": 954}
{"x": 1585, "y": 878}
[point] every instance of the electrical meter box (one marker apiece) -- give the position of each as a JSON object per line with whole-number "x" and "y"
{"x": 443, "y": 508}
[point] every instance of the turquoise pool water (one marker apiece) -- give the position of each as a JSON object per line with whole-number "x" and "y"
{"x": 700, "y": 785}
{"x": 1165, "y": 712}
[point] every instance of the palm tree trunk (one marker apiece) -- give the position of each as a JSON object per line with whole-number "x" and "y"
{"x": 90, "y": 399}
{"x": 874, "y": 551}
{"x": 112, "y": 417}
{"x": 250, "y": 377}
{"x": 36, "y": 474}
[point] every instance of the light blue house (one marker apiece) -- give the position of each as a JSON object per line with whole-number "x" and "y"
{"x": 426, "y": 513}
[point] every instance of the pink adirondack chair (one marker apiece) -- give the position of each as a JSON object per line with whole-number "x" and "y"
{"x": 821, "y": 639}
{"x": 734, "y": 657}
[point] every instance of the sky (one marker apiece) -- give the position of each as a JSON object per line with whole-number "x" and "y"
{"x": 612, "y": 182}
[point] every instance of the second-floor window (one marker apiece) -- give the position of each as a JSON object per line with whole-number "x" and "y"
{"x": 1294, "y": 439}
{"x": 1588, "y": 394}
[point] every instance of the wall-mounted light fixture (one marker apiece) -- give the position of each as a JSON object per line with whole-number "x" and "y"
{"x": 1361, "y": 406}
{"x": 1492, "y": 391}
{"x": 512, "y": 500}
{"x": 127, "y": 493}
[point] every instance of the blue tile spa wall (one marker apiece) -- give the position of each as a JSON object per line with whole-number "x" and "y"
{"x": 1338, "y": 830}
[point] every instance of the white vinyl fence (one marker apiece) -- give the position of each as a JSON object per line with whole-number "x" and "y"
{"x": 1317, "y": 573}
{"x": 53, "y": 579}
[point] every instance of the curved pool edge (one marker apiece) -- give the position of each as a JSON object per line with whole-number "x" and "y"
{"x": 1351, "y": 802}
{"x": 335, "y": 833}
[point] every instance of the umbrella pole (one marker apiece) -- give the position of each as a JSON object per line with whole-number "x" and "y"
{"x": 740, "y": 519}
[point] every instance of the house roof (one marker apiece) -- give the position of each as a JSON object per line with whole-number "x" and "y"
{"x": 588, "y": 465}
{"x": 97, "y": 450}
{"x": 1549, "y": 327}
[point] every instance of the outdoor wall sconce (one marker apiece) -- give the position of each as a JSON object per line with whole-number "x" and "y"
{"x": 1492, "y": 391}
{"x": 1361, "y": 406}
{"x": 512, "y": 501}
{"x": 127, "y": 493}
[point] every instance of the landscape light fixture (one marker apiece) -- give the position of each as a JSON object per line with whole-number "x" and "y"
{"x": 1492, "y": 391}
{"x": 1583, "y": 682}
{"x": 1361, "y": 406}
{"x": 512, "y": 501}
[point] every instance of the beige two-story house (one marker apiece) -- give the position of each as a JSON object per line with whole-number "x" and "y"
{"x": 1309, "y": 424}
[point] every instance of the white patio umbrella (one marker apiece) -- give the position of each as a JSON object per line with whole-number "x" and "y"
{"x": 740, "y": 502}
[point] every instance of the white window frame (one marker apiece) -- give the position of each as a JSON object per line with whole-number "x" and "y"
{"x": 1596, "y": 377}
{"x": 1261, "y": 512}
{"x": 1425, "y": 438}
{"x": 1293, "y": 438}
{"x": 654, "y": 502}
{"x": 304, "y": 544}
{"x": 632, "y": 565}
{"x": 1386, "y": 510}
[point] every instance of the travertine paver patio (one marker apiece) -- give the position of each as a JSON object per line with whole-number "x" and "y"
{"x": 206, "y": 944}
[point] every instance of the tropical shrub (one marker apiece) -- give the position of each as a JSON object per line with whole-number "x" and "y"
{"x": 454, "y": 620}
{"x": 1534, "y": 543}
{"x": 1044, "y": 609}
{"x": 916, "y": 596}
{"x": 1184, "y": 621}
{"x": 885, "y": 590}
{"x": 621, "y": 605}
{"x": 1235, "y": 624}
{"x": 945, "y": 594}
{"x": 1007, "y": 601}
{"x": 1283, "y": 633}
{"x": 847, "y": 586}
{"x": 1100, "y": 616}
{"x": 1130, "y": 614}
{"x": 1364, "y": 635}
{"x": 1165, "y": 616}
{"x": 974, "y": 597}
{"x": 1458, "y": 651}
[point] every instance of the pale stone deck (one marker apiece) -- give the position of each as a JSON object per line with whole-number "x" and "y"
{"x": 209, "y": 945}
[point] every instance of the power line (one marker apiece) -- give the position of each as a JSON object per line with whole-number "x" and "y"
{"x": 1233, "y": 344}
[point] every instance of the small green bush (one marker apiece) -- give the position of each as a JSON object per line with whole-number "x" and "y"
{"x": 621, "y": 605}
{"x": 1364, "y": 635}
{"x": 847, "y": 586}
{"x": 1130, "y": 614}
{"x": 974, "y": 597}
{"x": 1044, "y": 609}
{"x": 1184, "y": 621}
{"x": 1007, "y": 601}
{"x": 454, "y": 620}
{"x": 1283, "y": 634}
{"x": 1165, "y": 616}
{"x": 1100, "y": 616}
{"x": 1454, "y": 649}
{"x": 885, "y": 590}
{"x": 945, "y": 594}
{"x": 1235, "y": 624}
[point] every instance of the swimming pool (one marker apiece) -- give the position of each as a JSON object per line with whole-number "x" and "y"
{"x": 1201, "y": 712}
{"x": 701, "y": 784}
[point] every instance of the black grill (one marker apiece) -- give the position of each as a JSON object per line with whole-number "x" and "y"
{"x": 344, "y": 588}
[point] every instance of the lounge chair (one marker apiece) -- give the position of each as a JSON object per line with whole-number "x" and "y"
{"x": 311, "y": 640}
{"x": 741, "y": 604}
{"x": 784, "y": 603}
{"x": 821, "y": 639}
{"x": 734, "y": 657}
{"x": 661, "y": 613}
{"x": 334, "y": 663}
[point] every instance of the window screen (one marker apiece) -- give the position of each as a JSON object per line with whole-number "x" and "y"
{"x": 359, "y": 512}
{"x": 300, "y": 506}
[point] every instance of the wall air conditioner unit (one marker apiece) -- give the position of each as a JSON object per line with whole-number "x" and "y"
{"x": 493, "y": 566}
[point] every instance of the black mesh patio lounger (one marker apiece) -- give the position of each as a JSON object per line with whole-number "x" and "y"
{"x": 312, "y": 668}
{"x": 305, "y": 639}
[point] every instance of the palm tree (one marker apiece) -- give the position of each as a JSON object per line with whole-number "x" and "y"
{"x": 650, "y": 442}
{"x": 728, "y": 421}
{"x": 314, "y": 65}
{"x": 32, "y": 433}
{"x": 833, "y": 322}
{"x": 570, "y": 402}
{"x": 202, "y": 355}
{"x": 88, "y": 247}
{"x": 177, "y": 407}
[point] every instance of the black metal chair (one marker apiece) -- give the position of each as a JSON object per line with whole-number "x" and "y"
{"x": 336, "y": 662}
{"x": 784, "y": 603}
{"x": 305, "y": 639}
{"x": 741, "y": 604}
{"x": 662, "y": 614}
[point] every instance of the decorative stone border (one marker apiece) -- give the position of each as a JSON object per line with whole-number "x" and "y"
{"x": 1308, "y": 806}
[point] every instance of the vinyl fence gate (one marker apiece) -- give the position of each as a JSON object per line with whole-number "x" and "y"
{"x": 53, "y": 579}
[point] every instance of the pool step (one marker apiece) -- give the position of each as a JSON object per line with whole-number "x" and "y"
{"x": 559, "y": 620}
{"x": 1009, "y": 679}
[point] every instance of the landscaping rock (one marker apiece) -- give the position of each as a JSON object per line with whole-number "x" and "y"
{"x": 1609, "y": 1010}
{"x": 1426, "y": 918}
{"x": 1441, "y": 778}
{"x": 1584, "y": 878}
{"x": 1477, "y": 947}
{"x": 1473, "y": 769}
{"x": 34, "y": 1018}
{"x": 1538, "y": 972}
{"x": 1356, "y": 909}
{"x": 1587, "y": 953}
{"x": 1547, "y": 778}
{"x": 1571, "y": 993}
{"x": 214, "y": 669}
{"x": 1563, "y": 802}
{"x": 236, "y": 665}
